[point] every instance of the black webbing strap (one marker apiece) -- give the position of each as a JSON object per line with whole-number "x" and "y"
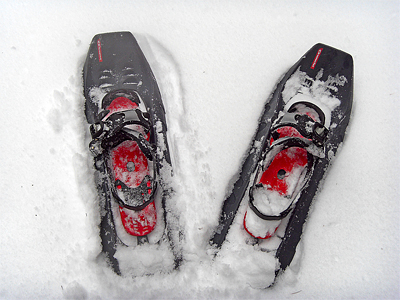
{"x": 305, "y": 125}
{"x": 112, "y": 131}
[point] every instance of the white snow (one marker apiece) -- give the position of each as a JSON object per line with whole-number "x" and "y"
{"x": 318, "y": 92}
{"x": 216, "y": 63}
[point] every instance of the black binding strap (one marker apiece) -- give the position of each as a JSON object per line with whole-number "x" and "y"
{"x": 304, "y": 124}
{"x": 314, "y": 137}
{"x": 311, "y": 105}
{"x": 107, "y": 133}
{"x": 260, "y": 214}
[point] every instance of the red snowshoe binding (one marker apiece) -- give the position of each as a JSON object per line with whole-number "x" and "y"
{"x": 123, "y": 134}
{"x": 295, "y": 140}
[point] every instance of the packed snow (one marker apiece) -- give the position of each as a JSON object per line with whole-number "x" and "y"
{"x": 216, "y": 63}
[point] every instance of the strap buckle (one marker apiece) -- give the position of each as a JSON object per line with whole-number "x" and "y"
{"x": 320, "y": 134}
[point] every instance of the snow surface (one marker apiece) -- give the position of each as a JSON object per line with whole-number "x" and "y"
{"x": 216, "y": 63}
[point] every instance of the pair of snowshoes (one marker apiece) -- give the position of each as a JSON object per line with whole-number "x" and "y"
{"x": 301, "y": 128}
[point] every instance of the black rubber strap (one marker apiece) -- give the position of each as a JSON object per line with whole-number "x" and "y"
{"x": 113, "y": 130}
{"x": 305, "y": 125}
{"x": 319, "y": 111}
{"x": 117, "y": 120}
{"x": 124, "y": 135}
{"x": 260, "y": 214}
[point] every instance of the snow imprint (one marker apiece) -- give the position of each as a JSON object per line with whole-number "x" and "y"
{"x": 317, "y": 89}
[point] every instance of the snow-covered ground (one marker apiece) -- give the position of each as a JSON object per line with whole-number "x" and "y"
{"x": 216, "y": 63}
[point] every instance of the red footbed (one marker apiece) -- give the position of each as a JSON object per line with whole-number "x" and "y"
{"x": 284, "y": 162}
{"x": 121, "y": 103}
{"x": 139, "y": 223}
{"x": 130, "y": 166}
{"x": 129, "y": 163}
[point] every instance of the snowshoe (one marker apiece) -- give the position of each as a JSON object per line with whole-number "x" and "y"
{"x": 302, "y": 126}
{"x": 129, "y": 144}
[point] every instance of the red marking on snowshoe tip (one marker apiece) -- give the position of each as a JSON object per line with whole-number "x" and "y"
{"x": 316, "y": 58}
{"x": 130, "y": 166}
{"x": 99, "y": 50}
